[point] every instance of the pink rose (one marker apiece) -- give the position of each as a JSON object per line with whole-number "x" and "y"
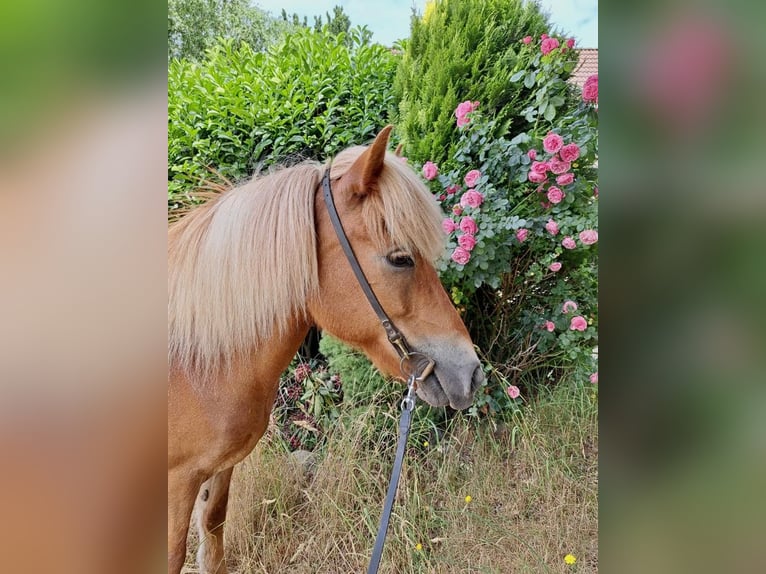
{"x": 532, "y": 154}
{"x": 570, "y": 152}
{"x": 442, "y": 197}
{"x": 463, "y": 121}
{"x": 568, "y": 243}
{"x": 527, "y": 39}
{"x": 550, "y": 326}
{"x": 546, "y": 204}
{"x": 590, "y": 89}
{"x": 468, "y": 226}
{"x": 430, "y": 170}
{"x": 462, "y": 111}
{"x": 555, "y": 266}
{"x": 472, "y": 177}
{"x": 513, "y": 392}
{"x": 568, "y": 306}
{"x": 521, "y": 234}
{"x": 536, "y": 176}
{"x": 540, "y": 166}
{"x": 595, "y": 192}
{"x": 548, "y": 45}
{"x": 570, "y": 43}
{"x": 552, "y": 227}
{"x": 471, "y": 198}
{"x": 543, "y": 36}
{"x": 552, "y": 142}
{"x": 452, "y": 189}
{"x": 558, "y": 166}
{"x": 457, "y": 210}
{"x": 589, "y": 236}
{"x": 555, "y": 195}
{"x": 448, "y": 225}
{"x": 461, "y": 256}
{"x": 594, "y": 378}
{"x": 578, "y": 323}
{"x": 565, "y": 178}
{"x": 467, "y": 242}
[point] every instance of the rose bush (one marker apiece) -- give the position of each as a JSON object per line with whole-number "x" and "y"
{"x": 522, "y": 230}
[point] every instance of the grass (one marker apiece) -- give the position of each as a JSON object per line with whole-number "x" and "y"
{"x": 532, "y": 480}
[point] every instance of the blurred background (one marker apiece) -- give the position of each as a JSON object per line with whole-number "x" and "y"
{"x": 82, "y": 286}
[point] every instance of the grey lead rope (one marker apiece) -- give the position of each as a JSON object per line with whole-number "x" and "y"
{"x": 408, "y": 404}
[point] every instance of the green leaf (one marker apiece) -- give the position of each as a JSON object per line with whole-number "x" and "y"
{"x": 550, "y": 112}
{"x": 529, "y": 81}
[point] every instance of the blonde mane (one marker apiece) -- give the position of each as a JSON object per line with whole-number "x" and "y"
{"x": 242, "y": 266}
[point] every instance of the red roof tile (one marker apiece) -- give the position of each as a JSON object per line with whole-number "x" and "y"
{"x": 587, "y": 66}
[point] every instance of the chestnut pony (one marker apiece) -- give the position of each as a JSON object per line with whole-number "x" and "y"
{"x": 250, "y": 272}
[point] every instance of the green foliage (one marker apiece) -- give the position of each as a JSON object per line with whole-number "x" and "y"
{"x": 194, "y": 26}
{"x": 310, "y": 96}
{"x": 362, "y": 383}
{"x": 462, "y": 50}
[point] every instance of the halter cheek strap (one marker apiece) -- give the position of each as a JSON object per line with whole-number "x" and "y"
{"x": 395, "y": 336}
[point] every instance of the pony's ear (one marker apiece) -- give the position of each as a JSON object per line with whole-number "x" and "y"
{"x": 363, "y": 174}
{"x": 398, "y": 150}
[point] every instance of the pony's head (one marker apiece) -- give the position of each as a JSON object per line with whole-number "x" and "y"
{"x": 394, "y": 226}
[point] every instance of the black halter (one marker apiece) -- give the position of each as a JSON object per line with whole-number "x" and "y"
{"x": 397, "y": 340}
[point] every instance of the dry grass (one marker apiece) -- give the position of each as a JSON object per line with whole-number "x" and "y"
{"x": 533, "y": 483}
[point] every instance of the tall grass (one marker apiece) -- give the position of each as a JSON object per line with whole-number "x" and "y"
{"x": 532, "y": 480}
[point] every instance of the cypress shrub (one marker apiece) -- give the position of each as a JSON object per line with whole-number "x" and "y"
{"x": 462, "y": 50}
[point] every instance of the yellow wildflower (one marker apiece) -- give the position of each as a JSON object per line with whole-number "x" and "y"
{"x": 468, "y": 499}
{"x": 570, "y": 559}
{"x": 418, "y": 547}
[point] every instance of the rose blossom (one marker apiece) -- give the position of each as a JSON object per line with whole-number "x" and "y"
{"x": 472, "y": 177}
{"x": 513, "y": 392}
{"x": 463, "y": 121}
{"x": 448, "y": 225}
{"x": 543, "y": 36}
{"x": 594, "y": 378}
{"x": 442, "y": 197}
{"x": 550, "y": 326}
{"x": 546, "y": 204}
{"x": 568, "y": 243}
{"x": 548, "y": 45}
{"x": 468, "y": 225}
{"x": 521, "y": 234}
{"x": 568, "y": 306}
{"x": 552, "y": 142}
{"x": 536, "y": 176}
{"x": 570, "y": 152}
{"x": 590, "y": 89}
{"x": 578, "y": 323}
{"x": 527, "y": 39}
{"x": 555, "y": 266}
{"x": 457, "y": 210}
{"x": 570, "y": 43}
{"x": 471, "y": 198}
{"x": 540, "y": 166}
{"x": 558, "y": 166}
{"x": 552, "y": 227}
{"x": 467, "y": 242}
{"x": 452, "y": 189}
{"x": 462, "y": 111}
{"x": 430, "y": 170}
{"x": 589, "y": 236}
{"x": 565, "y": 178}
{"x": 461, "y": 256}
{"x": 555, "y": 195}
{"x": 595, "y": 192}
{"x": 532, "y": 154}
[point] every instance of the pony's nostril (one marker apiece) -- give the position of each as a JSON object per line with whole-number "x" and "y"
{"x": 477, "y": 379}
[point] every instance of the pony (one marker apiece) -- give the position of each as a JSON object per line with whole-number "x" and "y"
{"x": 251, "y": 271}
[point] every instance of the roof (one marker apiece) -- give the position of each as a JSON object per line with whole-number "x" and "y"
{"x": 587, "y": 66}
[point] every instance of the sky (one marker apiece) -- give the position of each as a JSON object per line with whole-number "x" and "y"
{"x": 389, "y": 20}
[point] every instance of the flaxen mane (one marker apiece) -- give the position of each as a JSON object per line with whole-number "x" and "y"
{"x": 243, "y": 265}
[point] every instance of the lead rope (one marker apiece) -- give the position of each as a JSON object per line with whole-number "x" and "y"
{"x": 408, "y": 404}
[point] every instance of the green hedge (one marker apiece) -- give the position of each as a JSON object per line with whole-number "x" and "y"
{"x": 308, "y": 97}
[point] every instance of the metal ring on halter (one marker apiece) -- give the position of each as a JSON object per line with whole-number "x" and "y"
{"x": 408, "y": 402}
{"x": 427, "y": 370}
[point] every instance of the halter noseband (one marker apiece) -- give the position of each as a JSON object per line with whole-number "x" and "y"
{"x": 395, "y": 336}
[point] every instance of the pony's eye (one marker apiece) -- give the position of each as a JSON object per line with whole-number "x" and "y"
{"x": 399, "y": 259}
